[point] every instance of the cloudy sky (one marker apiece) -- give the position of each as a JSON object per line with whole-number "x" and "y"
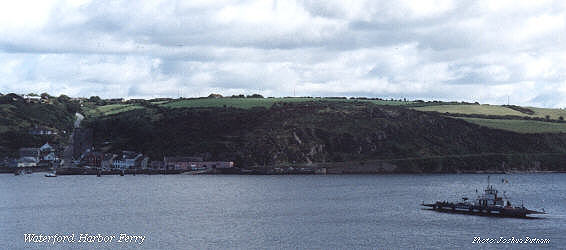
{"x": 424, "y": 49}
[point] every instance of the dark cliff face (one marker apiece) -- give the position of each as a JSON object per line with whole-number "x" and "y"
{"x": 308, "y": 132}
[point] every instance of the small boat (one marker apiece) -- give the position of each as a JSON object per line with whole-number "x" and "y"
{"x": 50, "y": 175}
{"x": 489, "y": 204}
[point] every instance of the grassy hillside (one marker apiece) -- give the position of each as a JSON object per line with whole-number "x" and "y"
{"x": 314, "y": 133}
{"x": 519, "y": 126}
{"x": 472, "y": 109}
{"x": 453, "y": 109}
{"x": 94, "y": 110}
{"x": 247, "y": 103}
{"x": 511, "y": 118}
{"x": 111, "y": 109}
{"x": 358, "y": 136}
{"x": 497, "y": 110}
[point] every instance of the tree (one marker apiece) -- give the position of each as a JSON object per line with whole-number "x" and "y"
{"x": 213, "y": 95}
{"x": 63, "y": 98}
{"x": 561, "y": 118}
{"x": 73, "y": 107}
{"x": 255, "y": 96}
{"x": 94, "y": 99}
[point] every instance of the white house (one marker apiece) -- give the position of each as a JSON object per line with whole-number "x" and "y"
{"x": 27, "y": 162}
{"x": 47, "y": 153}
{"x": 128, "y": 160}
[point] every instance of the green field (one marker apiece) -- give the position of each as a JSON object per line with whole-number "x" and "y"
{"x": 520, "y": 126}
{"x": 109, "y": 109}
{"x": 515, "y": 125}
{"x": 92, "y": 110}
{"x": 484, "y": 109}
{"x": 247, "y": 103}
{"x": 552, "y": 113}
{"x": 487, "y": 109}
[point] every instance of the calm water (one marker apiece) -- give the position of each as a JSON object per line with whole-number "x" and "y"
{"x": 306, "y": 212}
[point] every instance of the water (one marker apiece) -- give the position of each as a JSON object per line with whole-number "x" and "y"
{"x": 266, "y": 212}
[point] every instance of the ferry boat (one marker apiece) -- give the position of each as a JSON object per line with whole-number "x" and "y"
{"x": 490, "y": 203}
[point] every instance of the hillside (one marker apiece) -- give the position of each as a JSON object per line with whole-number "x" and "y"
{"x": 350, "y": 135}
{"x": 20, "y": 118}
{"x": 512, "y": 118}
{"x": 97, "y": 109}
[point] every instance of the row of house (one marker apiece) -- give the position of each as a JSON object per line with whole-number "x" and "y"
{"x": 45, "y": 156}
{"x": 135, "y": 160}
{"x": 13, "y": 97}
{"x": 123, "y": 160}
{"x": 190, "y": 163}
{"x": 36, "y": 99}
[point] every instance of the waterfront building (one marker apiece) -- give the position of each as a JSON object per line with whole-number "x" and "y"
{"x": 27, "y": 162}
{"x": 47, "y": 153}
{"x": 129, "y": 160}
{"x": 214, "y": 164}
{"x": 194, "y": 163}
{"x": 29, "y": 157}
{"x": 92, "y": 159}
{"x": 180, "y": 162}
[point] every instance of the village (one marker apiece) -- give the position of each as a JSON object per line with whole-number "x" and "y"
{"x": 80, "y": 157}
{"x": 46, "y": 158}
{"x": 91, "y": 162}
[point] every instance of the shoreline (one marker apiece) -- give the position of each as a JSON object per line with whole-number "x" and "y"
{"x": 85, "y": 171}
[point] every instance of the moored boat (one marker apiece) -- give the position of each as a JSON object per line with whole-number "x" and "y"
{"x": 50, "y": 175}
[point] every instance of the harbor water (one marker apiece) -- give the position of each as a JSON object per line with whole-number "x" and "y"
{"x": 274, "y": 212}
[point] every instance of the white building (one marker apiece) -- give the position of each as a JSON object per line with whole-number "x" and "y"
{"x": 47, "y": 153}
{"x": 128, "y": 161}
{"x": 27, "y": 162}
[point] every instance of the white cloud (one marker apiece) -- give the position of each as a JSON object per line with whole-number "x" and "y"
{"x": 24, "y": 15}
{"x": 434, "y": 49}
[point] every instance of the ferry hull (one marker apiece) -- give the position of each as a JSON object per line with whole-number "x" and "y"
{"x": 514, "y": 212}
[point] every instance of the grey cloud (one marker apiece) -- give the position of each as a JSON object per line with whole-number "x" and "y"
{"x": 357, "y": 48}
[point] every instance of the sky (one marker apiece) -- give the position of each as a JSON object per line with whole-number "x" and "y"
{"x": 486, "y": 51}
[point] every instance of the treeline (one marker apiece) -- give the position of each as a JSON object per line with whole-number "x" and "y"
{"x": 96, "y": 100}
